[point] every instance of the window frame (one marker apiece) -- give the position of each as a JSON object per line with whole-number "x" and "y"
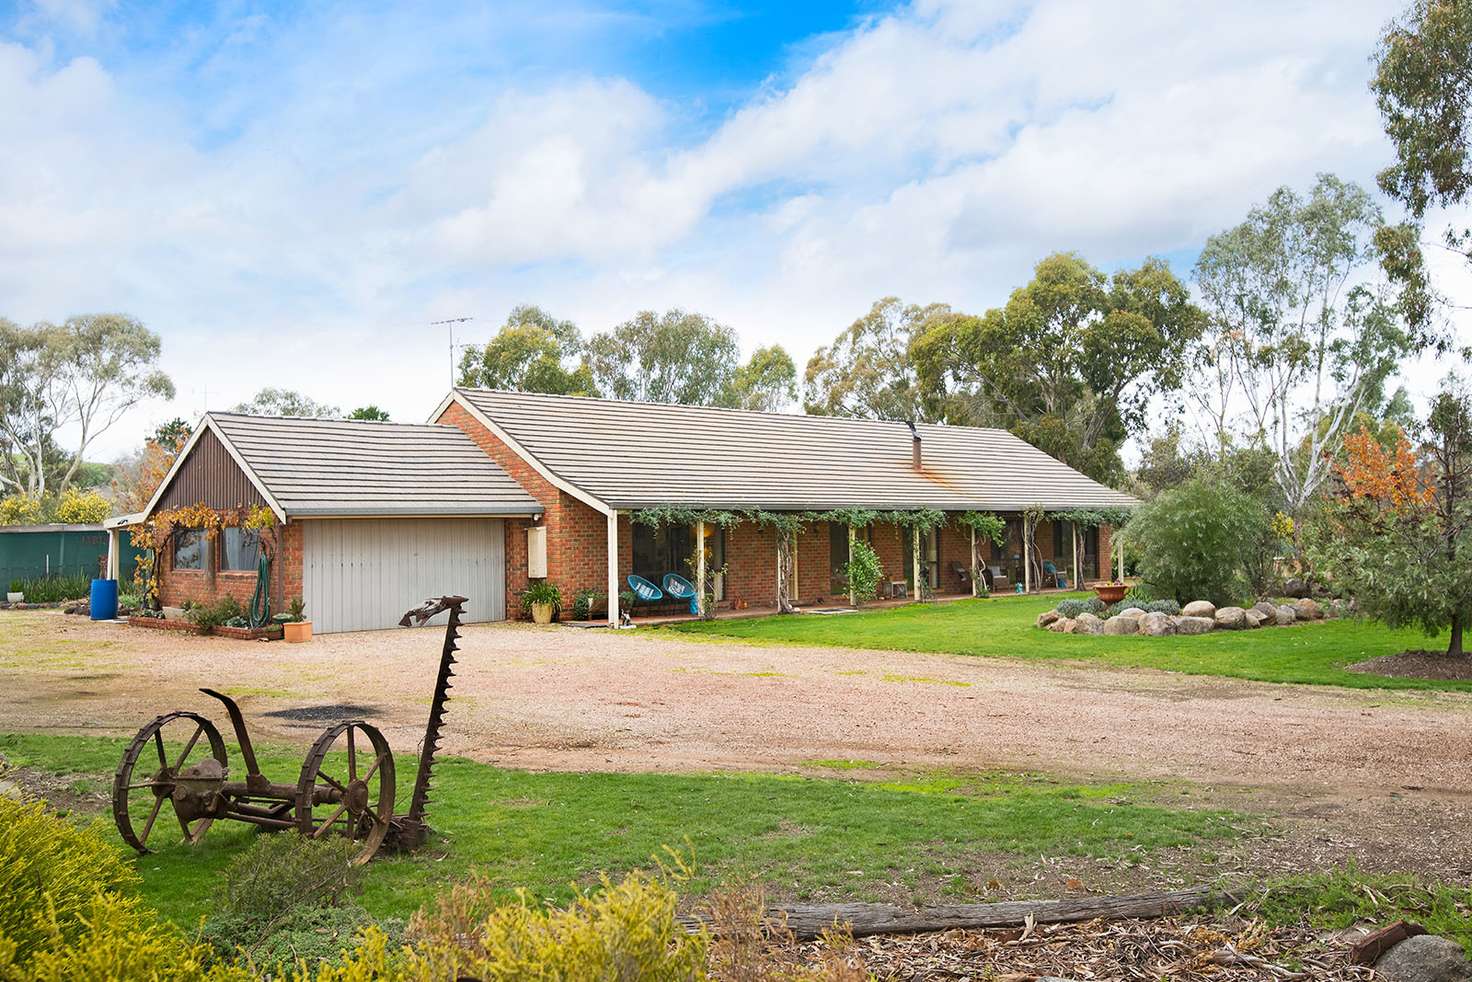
{"x": 224, "y": 550}
{"x": 195, "y": 534}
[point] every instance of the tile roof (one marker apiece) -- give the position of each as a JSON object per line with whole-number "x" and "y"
{"x": 315, "y": 467}
{"x": 636, "y": 455}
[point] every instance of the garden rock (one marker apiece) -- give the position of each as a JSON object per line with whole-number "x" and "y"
{"x": 1186, "y": 624}
{"x": 1285, "y": 615}
{"x": 1266, "y": 608}
{"x": 1307, "y": 610}
{"x": 1063, "y": 625}
{"x": 1122, "y": 624}
{"x": 1087, "y": 623}
{"x": 1231, "y": 618}
{"x": 1157, "y": 625}
{"x": 1425, "y": 958}
{"x": 1132, "y": 612}
{"x": 1255, "y": 617}
{"x": 1199, "y": 608}
{"x": 1047, "y": 617}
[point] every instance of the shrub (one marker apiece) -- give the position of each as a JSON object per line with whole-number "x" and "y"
{"x": 20, "y": 509}
{"x": 1196, "y": 541}
{"x": 275, "y": 879}
{"x": 625, "y": 930}
{"x": 209, "y": 616}
{"x": 584, "y": 602}
{"x": 50, "y": 871}
{"x": 53, "y": 589}
{"x": 1072, "y": 608}
{"x": 82, "y": 507}
{"x": 863, "y": 571}
{"x": 310, "y": 935}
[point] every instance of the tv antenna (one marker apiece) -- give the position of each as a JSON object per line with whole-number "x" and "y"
{"x": 450, "y": 322}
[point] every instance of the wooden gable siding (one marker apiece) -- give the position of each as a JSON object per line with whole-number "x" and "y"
{"x": 210, "y": 475}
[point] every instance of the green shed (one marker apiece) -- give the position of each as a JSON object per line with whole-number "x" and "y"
{"x": 31, "y": 551}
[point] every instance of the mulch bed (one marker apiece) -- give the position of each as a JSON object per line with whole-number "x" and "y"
{"x": 1224, "y": 949}
{"x": 1418, "y": 665}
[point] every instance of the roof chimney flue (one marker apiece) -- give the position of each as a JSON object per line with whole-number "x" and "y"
{"x": 914, "y": 444}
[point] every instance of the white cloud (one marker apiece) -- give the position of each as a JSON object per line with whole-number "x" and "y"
{"x": 309, "y": 191}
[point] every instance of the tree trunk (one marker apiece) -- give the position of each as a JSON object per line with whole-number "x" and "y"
{"x": 1454, "y": 647}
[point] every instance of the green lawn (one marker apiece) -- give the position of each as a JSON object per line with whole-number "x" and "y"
{"x": 1003, "y": 627}
{"x": 924, "y": 836}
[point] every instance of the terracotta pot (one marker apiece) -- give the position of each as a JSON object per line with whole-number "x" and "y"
{"x": 1111, "y": 593}
{"x": 541, "y": 613}
{"x": 297, "y": 630}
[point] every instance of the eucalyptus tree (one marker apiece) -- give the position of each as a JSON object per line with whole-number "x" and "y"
{"x": 867, "y": 371}
{"x": 1305, "y": 325}
{"x": 1423, "y": 87}
{"x": 78, "y": 377}
{"x": 1071, "y": 363}
{"x": 532, "y": 352}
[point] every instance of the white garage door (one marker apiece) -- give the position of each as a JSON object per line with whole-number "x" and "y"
{"x": 362, "y": 574}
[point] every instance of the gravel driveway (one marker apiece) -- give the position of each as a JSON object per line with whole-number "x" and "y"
{"x": 569, "y": 698}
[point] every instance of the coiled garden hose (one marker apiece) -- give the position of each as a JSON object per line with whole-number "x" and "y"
{"x": 260, "y": 601}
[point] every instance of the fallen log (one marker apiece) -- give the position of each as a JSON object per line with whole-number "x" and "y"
{"x": 811, "y": 920}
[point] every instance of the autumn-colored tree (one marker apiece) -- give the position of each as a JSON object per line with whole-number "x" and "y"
{"x": 138, "y": 476}
{"x": 1397, "y": 532}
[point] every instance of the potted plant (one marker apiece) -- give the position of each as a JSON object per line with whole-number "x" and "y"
{"x": 585, "y": 603}
{"x": 1112, "y": 592}
{"x": 542, "y": 600}
{"x": 294, "y": 625}
{"x": 14, "y": 595}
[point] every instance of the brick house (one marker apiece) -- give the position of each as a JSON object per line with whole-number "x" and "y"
{"x": 592, "y": 463}
{"x": 499, "y": 488}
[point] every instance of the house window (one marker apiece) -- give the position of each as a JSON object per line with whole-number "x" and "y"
{"x": 240, "y": 549}
{"x": 662, "y": 550}
{"x": 669, "y": 549}
{"x": 189, "y": 549}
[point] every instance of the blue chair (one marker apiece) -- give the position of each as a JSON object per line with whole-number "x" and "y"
{"x": 682, "y": 589}
{"x": 1060, "y": 580}
{"x": 643, "y": 590}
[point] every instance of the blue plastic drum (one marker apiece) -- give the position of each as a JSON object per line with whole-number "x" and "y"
{"x": 104, "y": 605}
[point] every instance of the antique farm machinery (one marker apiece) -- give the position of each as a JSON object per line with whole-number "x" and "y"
{"x": 345, "y": 788}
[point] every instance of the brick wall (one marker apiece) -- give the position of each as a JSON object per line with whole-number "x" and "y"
{"x": 200, "y": 586}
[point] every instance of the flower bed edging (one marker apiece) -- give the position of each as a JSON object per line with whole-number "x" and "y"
{"x": 272, "y": 633}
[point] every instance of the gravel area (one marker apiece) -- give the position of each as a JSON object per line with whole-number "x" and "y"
{"x": 1378, "y": 777}
{"x": 577, "y": 699}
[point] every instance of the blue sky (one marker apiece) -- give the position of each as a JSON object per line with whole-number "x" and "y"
{"x": 288, "y": 193}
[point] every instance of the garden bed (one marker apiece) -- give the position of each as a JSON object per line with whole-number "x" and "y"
{"x": 163, "y": 624}
{"x": 1418, "y": 665}
{"x": 272, "y": 633}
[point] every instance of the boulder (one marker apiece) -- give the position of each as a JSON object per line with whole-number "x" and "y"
{"x": 1087, "y": 623}
{"x": 1254, "y": 617}
{"x": 1157, "y": 625}
{"x": 1063, "y": 625}
{"x": 1231, "y": 618}
{"x": 1132, "y": 612}
{"x": 1047, "y": 617}
{"x": 1425, "y": 958}
{"x": 1122, "y": 624}
{"x": 1285, "y": 615}
{"x": 1267, "y": 608}
{"x": 1307, "y": 610}
{"x": 1199, "y": 608}
{"x": 1186, "y": 624}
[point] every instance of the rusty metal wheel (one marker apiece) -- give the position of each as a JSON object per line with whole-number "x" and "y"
{"x": 347, "y": 787}
{"x": 142, "y": 785}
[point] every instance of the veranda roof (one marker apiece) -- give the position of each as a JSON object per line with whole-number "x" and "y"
{"x": 633, "y": 455}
